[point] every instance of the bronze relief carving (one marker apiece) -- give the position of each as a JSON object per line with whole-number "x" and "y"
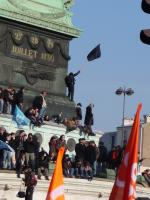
{"x": 18, "y": 37}
{"x": 51, "y": 46}
{"x": 62, "y": 51}
{"x": 49, "y": 43}
{"x": 71, "y": 143}
{"x": 34, "y": 41}
{"x": 37, "y": 48}
{"x": 33, "y": 75}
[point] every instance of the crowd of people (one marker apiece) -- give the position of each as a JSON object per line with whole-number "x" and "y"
{"x": 25, "y": 155}
{"x": 146, "y": 175}
{"x": 9, "y": 98}
{"x": 92, "y": 160}
{"x": 37, "y": 113}
{"x": 89, "y": 159}
{"x": 26, "y": 148}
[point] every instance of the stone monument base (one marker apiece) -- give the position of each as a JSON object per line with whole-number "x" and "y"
{"x": 37, "y": 59}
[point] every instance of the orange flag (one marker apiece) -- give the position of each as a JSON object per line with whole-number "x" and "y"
{"x": 125, "y": 184}
{"x": 56, "y": 188}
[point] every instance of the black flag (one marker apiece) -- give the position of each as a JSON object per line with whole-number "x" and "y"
{"x": 94, "y": 54}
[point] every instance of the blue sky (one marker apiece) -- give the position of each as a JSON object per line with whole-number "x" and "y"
{"x": 125, "y": 59}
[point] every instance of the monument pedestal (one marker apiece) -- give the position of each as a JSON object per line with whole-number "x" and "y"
{"x": 38, "y": 60}
{"x": 34, "y": 49}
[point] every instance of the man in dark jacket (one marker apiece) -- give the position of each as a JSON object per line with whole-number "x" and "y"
{"x": 3, "y": 134}
{"x": 102, "y": 159}
{"x": 29, "y": 148}
{"x": 30, "y": 182}
{"x": 70, "y": 82}
{"x": 40, "y": 103}
{"x": 43, "y": 164}
{"x": 91, "y": 155}
{"x": 89, "y": 120}
{"x": 79, "y": 111}
{"x": 80, "y": 150}
{"x": 8, "y": 100}
{"x": 19, "y": 98}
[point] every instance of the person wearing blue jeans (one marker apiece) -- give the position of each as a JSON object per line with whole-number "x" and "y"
{"x": 94, "y": 168}
{"x": 69, "y": 172}
{"x": 6, "y": 159}
{"x": 79, "y": 169}
{"x": 88, "y": 174}
{"x": 68, "y": 167}
{"x": 42, "y": 113}
{"x": 40, "y": 103}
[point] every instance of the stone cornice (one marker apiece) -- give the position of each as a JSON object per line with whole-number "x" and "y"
{"x": 53, "y": 25}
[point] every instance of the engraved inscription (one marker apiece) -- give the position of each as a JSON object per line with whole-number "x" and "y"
{"x": 20, "y": 51}
{"x": 47, "y": 57}
{"x": 32, "y": 54}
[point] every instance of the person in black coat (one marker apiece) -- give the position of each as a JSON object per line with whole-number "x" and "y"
{"x": 3, "y": 134}
{"x": 9, "y": 95}
{"x": 30, "y": 182}
{"x": 91, "y": 155}
{"x": 80, "y": 150}
{"x": 43, "y": 164}
{"x": 29, "y": 148}
{"x": 70, "y": 82}
{"x": 40, "y": 103}
{"x": 19, "y": 98}
{"x": 89, "y": 120}
{"x": 79, "y": 111}
{"x": 102, "y": 159}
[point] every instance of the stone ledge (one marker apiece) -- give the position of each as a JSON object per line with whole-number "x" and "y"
{"x": 74, "y": 188}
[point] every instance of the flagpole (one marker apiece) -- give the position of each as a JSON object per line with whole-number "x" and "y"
{"x": 123, "y": 136}
{"x": 125, "y": 92}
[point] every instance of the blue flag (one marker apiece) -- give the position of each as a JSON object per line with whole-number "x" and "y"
{"x": 20, "y": 118}
{"x": 4, "y": 146}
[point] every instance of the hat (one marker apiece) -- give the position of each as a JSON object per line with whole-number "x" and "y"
{"x": 79, "y": 104}
{"x": 70, "y": 74}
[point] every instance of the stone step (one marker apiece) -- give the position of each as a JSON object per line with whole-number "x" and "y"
{"x": 74, "y": 188}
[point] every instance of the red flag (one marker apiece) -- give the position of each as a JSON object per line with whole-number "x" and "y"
{"x": 56, "y": 188}
{"x": 125, "y": 183}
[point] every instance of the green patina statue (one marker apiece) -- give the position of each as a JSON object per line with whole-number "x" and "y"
{"x": 50, "y": 14}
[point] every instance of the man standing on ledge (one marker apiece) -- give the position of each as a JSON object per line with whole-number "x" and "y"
{"x": 89, "y": 119}
{"x": 70, "y": 82}
{"x": 40, "y": 103}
